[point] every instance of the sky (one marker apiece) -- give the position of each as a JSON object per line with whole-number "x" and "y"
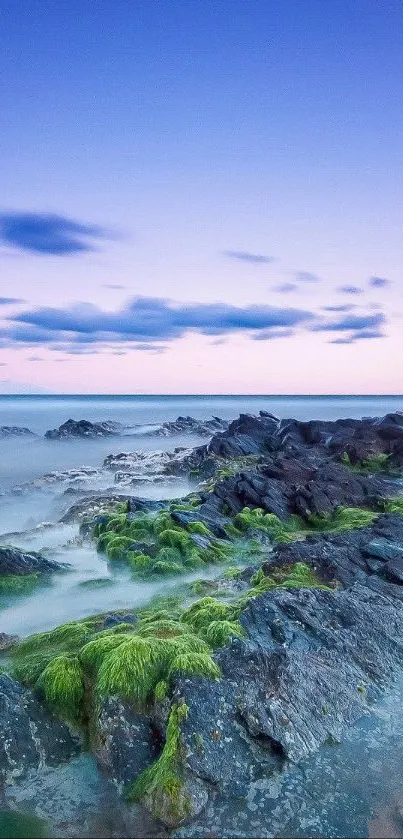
{"x": 201, "y": 197}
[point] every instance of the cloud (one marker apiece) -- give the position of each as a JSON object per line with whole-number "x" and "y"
{"x": 245, "y": 256}
{"x": 364, "y": 335}
{"x": 306, "y": 277}
{"x": 379, "y": 282}
{"x": 9, "y": 301}
{"x": 350, "y": 289}
{"x": 271, "y": 334}
{"x": 144, "y": 321}
{"x": 351, "y": 323}
{"x": 114, "y": 286}
{"x": 286, "y": 288}
{"x": 345, "y": 307}
{"x": 47, "y": 233}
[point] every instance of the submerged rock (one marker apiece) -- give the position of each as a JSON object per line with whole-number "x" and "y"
{"x": 15, "y": 431}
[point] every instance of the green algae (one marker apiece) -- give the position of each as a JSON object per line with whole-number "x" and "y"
{"x": 375, "y": 464}
{"x": 161, "y": 785}
{"x": 11, "y": 584}
{"x": 393, "y": 505}
{"x": 344, "y": 518}
{"x": 62, "y": 685}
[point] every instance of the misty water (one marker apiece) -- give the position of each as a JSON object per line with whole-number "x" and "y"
{"x": 308, "y": 800}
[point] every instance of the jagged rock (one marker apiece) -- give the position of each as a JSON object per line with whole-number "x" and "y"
{"x": 84, "y": 428}
{"x": 15, "y": 431}
{"x": 288, "y": 486}
{"x": 30, "y": 735}
{"x": 190, "y": 425}
{"x": 18, "y": 562}
{"x": 92, "y": 506}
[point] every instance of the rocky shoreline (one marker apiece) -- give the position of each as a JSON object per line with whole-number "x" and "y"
{"x": 236, "y": 678}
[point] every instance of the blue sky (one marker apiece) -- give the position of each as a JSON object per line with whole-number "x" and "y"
{"x": 197, "y": 196}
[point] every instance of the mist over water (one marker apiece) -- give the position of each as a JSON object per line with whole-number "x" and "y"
{"x": 26, "y": 502}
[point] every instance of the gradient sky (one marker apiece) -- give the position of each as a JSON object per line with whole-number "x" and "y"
{"x": 201, "y": 196}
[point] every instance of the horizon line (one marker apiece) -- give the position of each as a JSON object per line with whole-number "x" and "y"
{"x": 200, "y": 395}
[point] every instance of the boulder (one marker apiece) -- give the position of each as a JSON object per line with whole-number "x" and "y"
{"x": 14, "y": 561}
{"x": 30, "y": 735}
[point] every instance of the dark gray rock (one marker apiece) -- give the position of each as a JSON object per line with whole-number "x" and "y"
{"x": 84, "y": 428}
{"x": 125, "y": 741}
{"x": 18, "y": 562}
{"x": 29, "y": 734}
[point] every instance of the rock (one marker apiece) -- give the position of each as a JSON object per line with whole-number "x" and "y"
{"x": 280, "y": 486}
{"x": 15, "y": 431}
{"x": 93, "y": 505}
{"x": 30, "y": 735}
{"x": 190, "y": 425}
{"x": 18, "y": 562}
{"x": 7, "y": 641}
{"x": 125, "y": 742}
{"x": 84, "y": 428}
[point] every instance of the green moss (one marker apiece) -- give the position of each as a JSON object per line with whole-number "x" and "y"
{"x": 202, "y": 613}
{"x": 200, "y": 528}
{"x": 167, "y": 568}
{"x": 161, "y": 786}
{"x": 97, "y": 582}
{"x": 298, "y": 575}
{"x": 393, "y": 505}
{"x": 33, "y": 654}
{"x": 219, "y": 633}
{"x": 268, "y": 523}
{"x": 160, "y": 690}
{"x": 344, "y": 518}
{"x": 92, "y": 654}
{"x": 195, "y": 664}
{"x": 62, "y": 686}
{"x": 375, "y": 464}
{"x": 161, "y": 628}
{"x": 19, "y": 584}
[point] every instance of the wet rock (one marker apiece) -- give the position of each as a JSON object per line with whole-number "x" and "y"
{"x": 14, "y": 561}
{"x": 7, "y": 641}
{"x": 92, "y": 506}
{"x": 125, "y": 741}
{"x": 84, "y": 428}
{"x": 190, "y": 425}
{"x": 30, "y": 735}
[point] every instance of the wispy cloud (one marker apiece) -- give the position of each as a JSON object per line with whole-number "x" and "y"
{"x": 350, "y": 289}
{"x": 286, "y": 288}
{"x": 351, "y": 323}
{"x": 379, "y": 282}
{"x": 114, "y": 286}
{"x": 11, "y": 301}
{"x": 306, "y": 277}
{"x": 344, "y": 307}
{"x": 48, "y": 233}
{"x": 145, "y": 321}
{"x": 246, "y": 256}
